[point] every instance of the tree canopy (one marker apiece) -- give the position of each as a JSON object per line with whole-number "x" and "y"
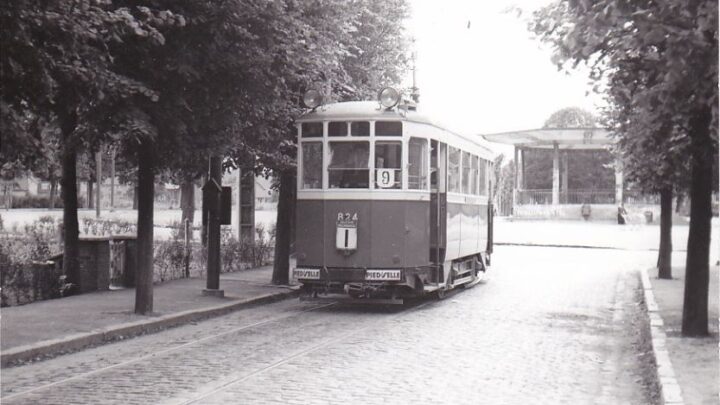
{"x": 571, "y": 117}
{"x": 659, "y": 63}
{"x": 170, "y": 83}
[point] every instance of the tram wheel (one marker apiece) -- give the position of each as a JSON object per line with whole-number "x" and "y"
{"x": 441, "y": 293}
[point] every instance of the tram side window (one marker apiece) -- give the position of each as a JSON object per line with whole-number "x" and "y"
{"x": 388, "y": 165}
{"x": 360, "y": 128}
{"x": 482, "y": 182}
{"x": 337, "y": 128}
{"x": 388, "y": 128}
{"x": 312, "y": 129}
{"x": 466, "y": 179}
{"x": 474, "y": 171}
{"x": 454, "y": 170}
{"x": 312, "y": 153}
{"x": 348, "y": 167}
{"x": 418, "y": 164}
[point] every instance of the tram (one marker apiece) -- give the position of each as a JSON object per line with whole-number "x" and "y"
{"x": 390, "y": 205}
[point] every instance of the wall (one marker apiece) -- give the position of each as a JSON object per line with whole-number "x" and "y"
{"x": 597, "y": 212}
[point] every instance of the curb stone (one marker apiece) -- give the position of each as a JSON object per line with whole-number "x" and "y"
{"x": 670, "y": 392}
{"x": 116, "y": 332}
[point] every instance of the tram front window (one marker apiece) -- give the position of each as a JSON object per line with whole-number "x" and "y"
{"x": 388, "y": 165}
{"x": 312, "y": 165}
{"x": 348, "y": 167}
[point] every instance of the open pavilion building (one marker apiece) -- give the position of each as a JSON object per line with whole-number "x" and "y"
{"x": 562, "y": 200}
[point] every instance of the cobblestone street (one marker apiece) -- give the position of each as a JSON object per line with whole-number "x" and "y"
{"x": 549, "y": 326}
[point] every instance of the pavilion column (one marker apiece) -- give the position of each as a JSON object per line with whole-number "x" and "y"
{"x": 564, "y": 187}
{"x": 618, "y": 181}
{"x": 556, "y": 175}
{"x": 522, "y": 169}
{"x": 516, "y": 177}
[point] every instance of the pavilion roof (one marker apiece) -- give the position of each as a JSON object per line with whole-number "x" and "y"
{"x": 546, "y": 138}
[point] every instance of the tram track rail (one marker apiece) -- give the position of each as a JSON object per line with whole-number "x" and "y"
{"x": 241, "y": 377}
{"x": 163, "y": 352}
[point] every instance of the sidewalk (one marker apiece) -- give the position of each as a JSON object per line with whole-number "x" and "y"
{"x": 55, "y": 326}
{"x": 694, "y": 360}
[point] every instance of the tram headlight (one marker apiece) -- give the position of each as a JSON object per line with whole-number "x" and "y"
{"x": 388, "y": 97}
{"x": 312, "y": 98}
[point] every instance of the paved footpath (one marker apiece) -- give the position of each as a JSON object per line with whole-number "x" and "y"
{"x": 52, "y": 326}
{"x": 541, "y": 330}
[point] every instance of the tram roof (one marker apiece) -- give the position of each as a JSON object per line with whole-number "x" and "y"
{"x": 365, "y": 110}
{"x": 372, "y": 111}
{"x": 547, "y": 138}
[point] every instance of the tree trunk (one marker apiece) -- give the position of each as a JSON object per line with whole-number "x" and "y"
{"x": 6, "y": 199}
{"x": 679, "y": 202}
{"x": 53, "y": 192}
{"x": 283, "y": 229}
{"x": 98, "y": 179}
{"x": 203, "y": 226}
{"x": 664, "y": 263}
{"x": 187, "y": 204}
{"x": 68, "y": 184}
{"x": 89, "y": 203}
{"x": 146, "y": 196}
{"x": 695, "y": 303}
{"x": 135, "y": 197}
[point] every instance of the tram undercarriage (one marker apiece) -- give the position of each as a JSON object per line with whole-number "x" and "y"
{"x": 348, "y": 285}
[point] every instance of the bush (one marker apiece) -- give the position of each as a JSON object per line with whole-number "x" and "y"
{"x": 169, "y": 256}
{"x": 239, "y": 255}
{"x": 168, "y": 260}
{"x": 23, "y": 280}
{"x": 39, "y": 201}
{"x": 43, "y": 238}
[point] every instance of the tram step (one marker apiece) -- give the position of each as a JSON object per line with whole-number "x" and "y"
{"x": 463, "y": 274}
{"x": 430, "y": 288}
{"x": 463, "y": 280}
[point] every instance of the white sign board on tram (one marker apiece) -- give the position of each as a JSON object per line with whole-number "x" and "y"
{"x": 385, "y": 178}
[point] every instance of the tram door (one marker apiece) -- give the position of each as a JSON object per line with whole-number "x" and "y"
{"x": 438, "y": 204}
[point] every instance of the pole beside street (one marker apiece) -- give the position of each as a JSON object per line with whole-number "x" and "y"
{"x": 212, "y": 195}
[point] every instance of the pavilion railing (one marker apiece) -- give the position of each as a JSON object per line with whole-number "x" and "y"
{"x": 637, "y": 197}
{"x": 544, "y": 197}
{"x": 588, "y": 197}
{"x": 534, "y": 197}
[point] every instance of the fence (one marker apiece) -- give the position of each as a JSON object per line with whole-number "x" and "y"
{"x": 637, "y": 197}
{"x": 544, "y": 197}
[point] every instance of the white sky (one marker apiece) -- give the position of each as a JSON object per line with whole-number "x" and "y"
{"x": 492, "y": 76}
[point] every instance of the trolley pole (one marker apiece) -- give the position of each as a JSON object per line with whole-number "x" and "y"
{"x": 211, "y": 192}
